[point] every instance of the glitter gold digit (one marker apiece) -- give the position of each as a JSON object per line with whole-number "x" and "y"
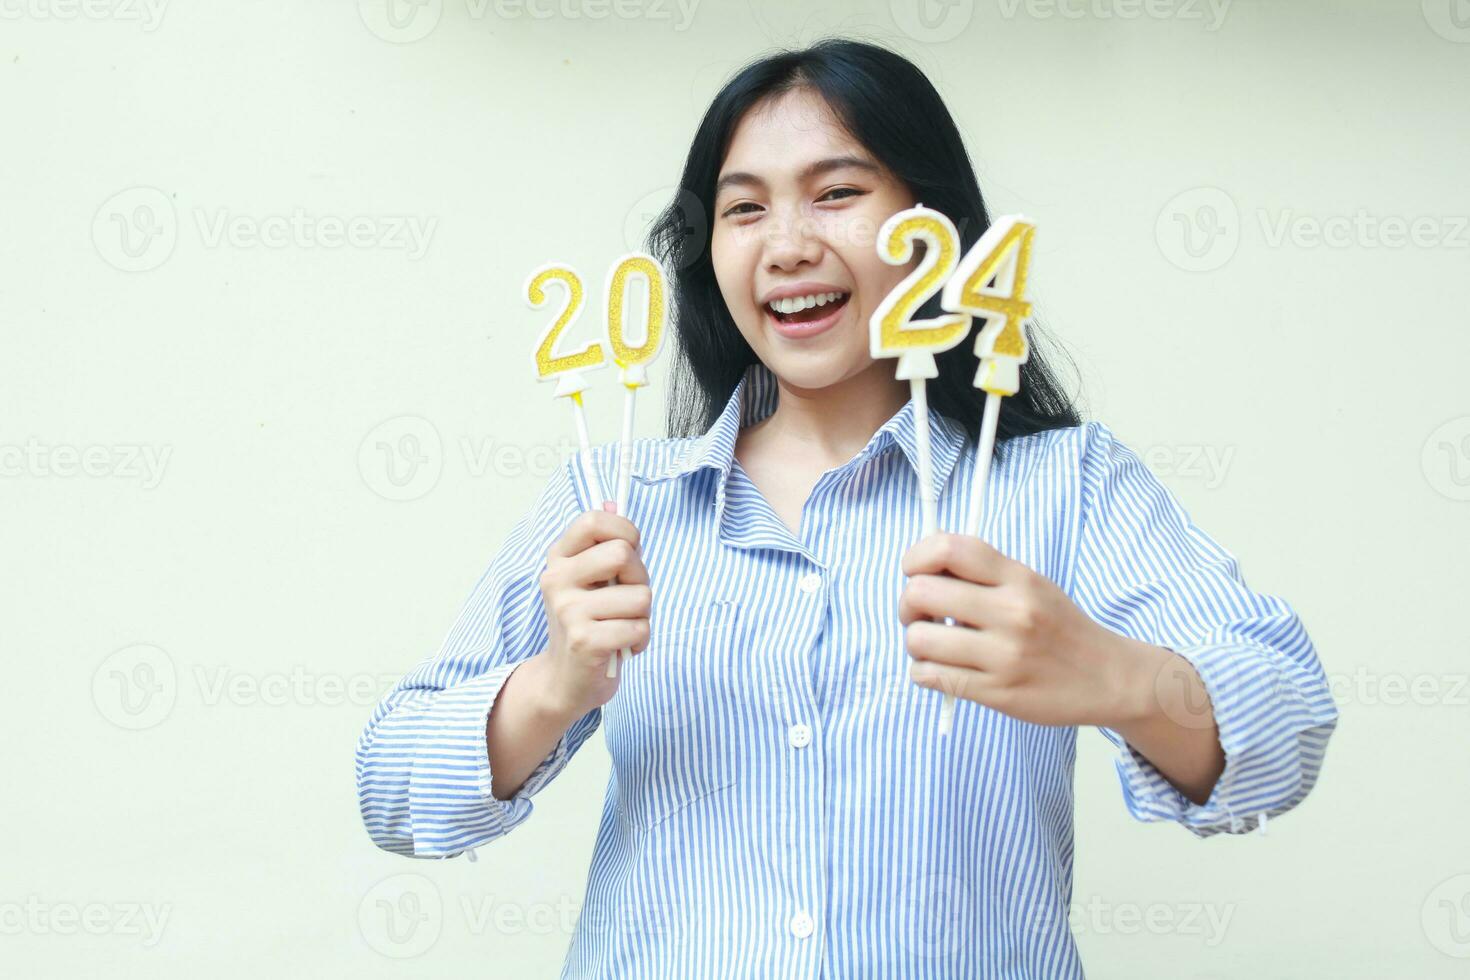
{"x": 991, "y": 283}
{"x": 634, "y": 360}
{"x": 565, "y": 368}
{"x": 891, "y": 331}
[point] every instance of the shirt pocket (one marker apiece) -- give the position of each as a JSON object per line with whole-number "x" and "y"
{"x": 668, "y": 728}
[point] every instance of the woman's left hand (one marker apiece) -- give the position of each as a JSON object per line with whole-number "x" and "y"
{"x": 1019, "y": 644}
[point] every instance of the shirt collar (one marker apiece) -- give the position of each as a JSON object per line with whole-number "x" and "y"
{"x": 754, "y": 398}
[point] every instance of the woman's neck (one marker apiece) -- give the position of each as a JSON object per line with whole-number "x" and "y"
{"x": 830, "y": 425}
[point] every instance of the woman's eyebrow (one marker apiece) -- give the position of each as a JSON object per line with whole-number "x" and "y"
{"x": 814, "y": 169}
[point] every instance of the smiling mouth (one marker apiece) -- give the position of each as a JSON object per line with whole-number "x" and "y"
{"x": 809, "y": 314}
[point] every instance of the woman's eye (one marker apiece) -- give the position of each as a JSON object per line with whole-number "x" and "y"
{"x": 737, "y": 208}
{"x": 841, "y": 190}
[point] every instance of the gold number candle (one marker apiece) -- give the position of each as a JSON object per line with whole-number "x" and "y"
{"x": 991, "y": 283}
{"x": 894, "y": 333}
{"x": 567, "y": 369}
{"x": 892, "y": 330}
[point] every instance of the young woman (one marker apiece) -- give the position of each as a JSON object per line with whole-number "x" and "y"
{"x": 780, "y": 803}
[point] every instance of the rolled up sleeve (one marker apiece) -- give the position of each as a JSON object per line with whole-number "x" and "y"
{"x": 423, "y": 770}
{"x": 1145, "y": 570}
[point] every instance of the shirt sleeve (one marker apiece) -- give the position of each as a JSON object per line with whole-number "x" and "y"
{"x": 1145, "y": 570}
{"x": 423, "y": 771}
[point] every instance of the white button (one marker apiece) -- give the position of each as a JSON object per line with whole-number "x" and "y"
{"x": 802, "y": 925}
{"x": 810, "y": 583}
{"x": 801, "y": 735}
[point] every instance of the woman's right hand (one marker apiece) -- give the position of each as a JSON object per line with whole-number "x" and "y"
{"x": 589, "y": 621}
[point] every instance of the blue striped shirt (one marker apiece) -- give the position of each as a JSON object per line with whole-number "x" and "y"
{"x": 779, "y": 803}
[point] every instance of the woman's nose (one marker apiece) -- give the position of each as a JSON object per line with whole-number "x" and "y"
{"x": 790, "y": 241}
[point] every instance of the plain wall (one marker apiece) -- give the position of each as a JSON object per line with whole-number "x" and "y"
{"x": 198, "y": 615}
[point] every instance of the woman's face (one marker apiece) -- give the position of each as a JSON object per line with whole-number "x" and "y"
{"x": 796, "y": 214}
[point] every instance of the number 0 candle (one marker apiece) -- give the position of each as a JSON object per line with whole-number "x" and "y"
{"x": 632, "y": 359}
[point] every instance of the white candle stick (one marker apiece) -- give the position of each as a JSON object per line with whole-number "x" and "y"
{"x": 929, "y": 505}
{"x": 984, "y": 450}
{"x": 584, "y": 441}
{"x": 625, "y": 469}
{"x": 928, "y": 500}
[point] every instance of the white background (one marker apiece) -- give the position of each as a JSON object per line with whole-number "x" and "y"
{"x": 1302, "y": 393}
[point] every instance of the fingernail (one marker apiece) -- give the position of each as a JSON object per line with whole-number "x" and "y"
{"x": 610, "y": 506}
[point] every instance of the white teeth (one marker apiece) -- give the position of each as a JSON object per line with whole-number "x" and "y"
{"x": 795, "y": 304}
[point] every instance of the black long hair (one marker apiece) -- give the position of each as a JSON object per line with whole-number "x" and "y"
{"x": 889, "y": 107}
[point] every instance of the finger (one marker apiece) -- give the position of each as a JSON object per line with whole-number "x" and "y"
{"x": 618, "y": 634}
{"x": 589, "y": 528}
{"x": 960, "y": 682}
{"x": 955, "y": 646}
{"x": 603, "y": 561}
{"x": 592, "y": 638}
{"x": 969, "y": 558}
{"x": 938, "y": 596}
{"x": 617, "y": 602}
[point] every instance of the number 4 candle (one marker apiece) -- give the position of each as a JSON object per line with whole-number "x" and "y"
{"x": 991, "y": 283}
